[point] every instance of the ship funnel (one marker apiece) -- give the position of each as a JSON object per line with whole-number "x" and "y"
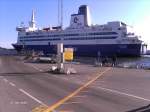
{"x": 82, "y": 18}
{"x": 84, "y": 10}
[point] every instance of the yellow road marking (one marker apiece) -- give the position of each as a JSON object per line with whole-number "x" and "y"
{"x": 60, "y": 102}
{"x": 40, "y": 108}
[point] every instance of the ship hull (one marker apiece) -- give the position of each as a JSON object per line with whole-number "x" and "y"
{"x": 17, "y": 47}
{"x": 121, "y": 50}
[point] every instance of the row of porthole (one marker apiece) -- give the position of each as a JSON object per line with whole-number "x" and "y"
{"x": 83, "y": 38}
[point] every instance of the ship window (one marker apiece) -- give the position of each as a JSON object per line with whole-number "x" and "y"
{"x": 27, "y": 33}
{"x": 102, "y": 33}
{"x": 90, "y": 38}
{"x": 123, "y": 24}
{"x": 74, "y": 38}
{"x": 71, "y": 34}
{"x": 41, "y": 39}
{"x": 49, "y": 43}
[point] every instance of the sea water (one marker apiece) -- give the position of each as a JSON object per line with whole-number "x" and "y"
{"x": 141, "y": 62}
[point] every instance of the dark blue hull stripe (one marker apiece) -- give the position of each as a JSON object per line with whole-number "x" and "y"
{"x": 89, "y": 50}
{"x": 76, "y": 38}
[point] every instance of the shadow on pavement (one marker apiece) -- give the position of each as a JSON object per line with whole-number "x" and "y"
{"x": 21, "y": 73}
{"x": 141, "y": 109}
{"x": 27, "y": 73}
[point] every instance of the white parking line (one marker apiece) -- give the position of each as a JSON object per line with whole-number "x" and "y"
{"x": 36, "y": 68}
{"x": 12, "y": 84}
{"x": 26, "y": 93}
{"x": 5, "y": 80}
{"x": 126, "y": 94}
{"x": 18, "y": 102}
{"x": 40, "y": 70}
{"x": 32, "y": 97}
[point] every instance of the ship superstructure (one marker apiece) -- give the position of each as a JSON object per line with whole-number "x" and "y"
{"x": 112, "y": 38}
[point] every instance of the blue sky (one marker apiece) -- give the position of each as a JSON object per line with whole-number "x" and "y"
{"x": 12, "y": 12}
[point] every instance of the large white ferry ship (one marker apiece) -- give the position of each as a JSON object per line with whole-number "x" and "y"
{"x": 113, "y": 38}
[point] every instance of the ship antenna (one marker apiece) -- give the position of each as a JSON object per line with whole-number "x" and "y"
{"x": 60, "y": 13}
{"x": 33, "y": 17}
{"x": 32, "y": 22}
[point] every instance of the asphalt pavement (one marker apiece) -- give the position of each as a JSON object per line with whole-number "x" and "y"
{"x": 27, "y": 87}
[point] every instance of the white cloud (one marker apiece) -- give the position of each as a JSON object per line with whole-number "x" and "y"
{"x": 5, "y": 44}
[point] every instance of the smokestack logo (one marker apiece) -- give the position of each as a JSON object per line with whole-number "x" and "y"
{"x": 76, "y": 20}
